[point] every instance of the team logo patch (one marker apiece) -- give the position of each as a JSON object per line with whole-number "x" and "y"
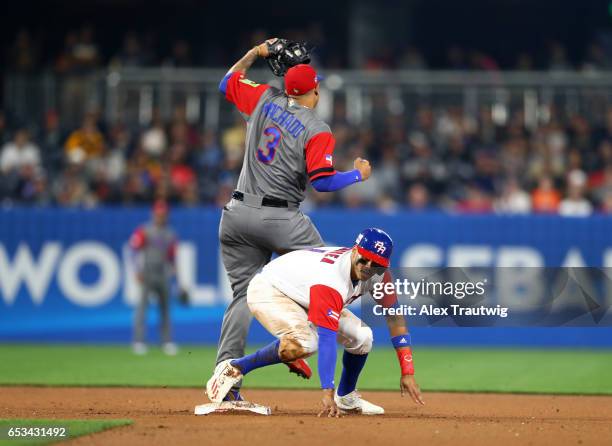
{"x": 249, "y": 82}
{"x": 380, "y": 247}
{"x": 331, "y": 313}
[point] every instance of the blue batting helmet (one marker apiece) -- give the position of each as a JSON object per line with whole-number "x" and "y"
{"x": 376, "y": 245}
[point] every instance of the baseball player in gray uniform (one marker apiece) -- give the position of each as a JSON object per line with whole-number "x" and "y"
{"x": 286, "y": 146}
{"x": 154, "y": 246}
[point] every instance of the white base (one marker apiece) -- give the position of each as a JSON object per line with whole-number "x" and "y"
{"x": 228, "y": 406}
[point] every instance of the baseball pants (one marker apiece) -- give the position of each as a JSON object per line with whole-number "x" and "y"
{"x": 282, "y": 316}
{"x": 249, "y": 233}
{"x": 160, "y": 290}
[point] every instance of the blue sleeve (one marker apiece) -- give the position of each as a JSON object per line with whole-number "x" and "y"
{"x": 327, "y": 357}
{"x": 223, "y": 84}
{"x": 339, "y": 180}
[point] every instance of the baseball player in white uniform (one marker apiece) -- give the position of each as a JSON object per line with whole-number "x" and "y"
{"x": 301, "y": 298}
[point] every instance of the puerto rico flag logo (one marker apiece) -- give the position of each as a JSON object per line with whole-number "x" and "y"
{"x": 331, "y": 313}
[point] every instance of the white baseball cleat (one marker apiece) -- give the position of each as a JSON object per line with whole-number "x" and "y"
{"x": 353, "y": 402}
{"x": 224, "y": 378}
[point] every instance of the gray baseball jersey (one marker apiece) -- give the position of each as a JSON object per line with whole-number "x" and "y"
{"x": 286, "y": 143}
{"x": 156, "y": 248}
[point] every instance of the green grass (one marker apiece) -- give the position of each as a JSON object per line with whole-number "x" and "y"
{"x": 75, "y": 428}
{"x": 471, "y": 370}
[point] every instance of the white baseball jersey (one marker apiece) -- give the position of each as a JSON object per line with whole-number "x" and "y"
{"x": 318, "y": 279}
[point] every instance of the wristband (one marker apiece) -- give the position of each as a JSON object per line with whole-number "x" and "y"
{"x": 402, "y": 344}
{"x": 401, "y": 341}
{"x": 404, "y": 356}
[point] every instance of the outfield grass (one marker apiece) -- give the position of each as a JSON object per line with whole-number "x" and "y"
{"x": 472, "y": 370}
{"x": 75, "y": 428}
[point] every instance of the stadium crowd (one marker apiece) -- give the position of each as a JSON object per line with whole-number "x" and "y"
{"x": 432, "y": 159}
{"x": 81, "y": 52}
{"x": 427, "y": 158}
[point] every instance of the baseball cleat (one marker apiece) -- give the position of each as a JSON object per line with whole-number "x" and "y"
{"x": 353, "y": 402}
{"x": 224, "y": 378}
{"x": 139, "y": 348}
{"x": 300, "y": 367}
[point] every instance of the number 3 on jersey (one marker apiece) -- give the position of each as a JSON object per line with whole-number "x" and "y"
{"x": 274, "y": 135}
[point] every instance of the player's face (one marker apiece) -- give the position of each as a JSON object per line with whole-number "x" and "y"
{"x": 316, "y": 97}
{"x": 160, "y": 218}
{"x": 364, "y": 268}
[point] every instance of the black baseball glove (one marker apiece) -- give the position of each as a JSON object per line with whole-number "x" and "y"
{"x": 284, "y": 54}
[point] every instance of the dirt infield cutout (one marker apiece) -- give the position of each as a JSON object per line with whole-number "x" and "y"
{"x": 165, "y": 416}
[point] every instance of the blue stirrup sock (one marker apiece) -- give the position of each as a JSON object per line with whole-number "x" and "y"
{"x": 267, "y": 355}
{"x": 352, "y": 365}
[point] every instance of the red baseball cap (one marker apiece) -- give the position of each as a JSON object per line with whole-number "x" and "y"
{"x": 160, "y": 207}
{"x": 300, "y": 79}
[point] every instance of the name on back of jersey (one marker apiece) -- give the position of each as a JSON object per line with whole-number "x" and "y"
{"x": 283, "y": 118}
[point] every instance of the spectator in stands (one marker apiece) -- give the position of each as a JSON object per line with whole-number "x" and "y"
{"x": 545, "y": 198}
{"x": 557, "y": 57}
{"x": 51, "y": 138}
{"x": 19, "y": 153}
{"x": 513, "y": 200}
{"x": 3, "y": 128}
{"x": 20, "y": 169}
{"x": 131, "y": 54}
{"x": 412, "y": 59}
{"x": 86, "y": 142}
{"x": 23, "y": 55}
{"x": 575, "y": 205}
{"x": 417, "y": 198}
{"x": 181, "y": 55}
{"x": 606, "y": 205}
{"x": 476, "y": 201}
{"x": 85, "y": 52}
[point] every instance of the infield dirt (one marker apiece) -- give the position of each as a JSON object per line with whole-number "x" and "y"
{"x": 165, "y": 417}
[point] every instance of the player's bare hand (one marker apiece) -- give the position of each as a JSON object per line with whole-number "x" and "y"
{"x": 408, "y": 385}
{"x": 329, "y": 405}
{"x": 364, "y": 168}
{"x": 263, "y": 47}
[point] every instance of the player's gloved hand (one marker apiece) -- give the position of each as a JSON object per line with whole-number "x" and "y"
{"x": 364, "y": 168}
{"x": 408, "y": 385}
{"x": 267, "y": 48}
{"x": 329, "y": 405}
{"x": 274, "y": 46}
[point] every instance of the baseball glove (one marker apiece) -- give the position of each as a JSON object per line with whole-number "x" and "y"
{"x": 284, "y": 54}
{"x": 183, "y": 297}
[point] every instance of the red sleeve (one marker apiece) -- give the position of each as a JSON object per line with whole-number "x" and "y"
{"x": 325, "y": 307}
{"x": 243, "y": 92}
{"x": 390, "y": 298}
{"x": 138, "y": 239}
{"x": 319, "y": 151}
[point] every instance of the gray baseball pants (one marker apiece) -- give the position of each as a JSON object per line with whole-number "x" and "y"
{"x": 249, "y": 234}
{"x": 159, "y": 288}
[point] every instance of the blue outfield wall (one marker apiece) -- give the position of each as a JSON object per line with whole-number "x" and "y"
{"x": 65, "y": 274}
